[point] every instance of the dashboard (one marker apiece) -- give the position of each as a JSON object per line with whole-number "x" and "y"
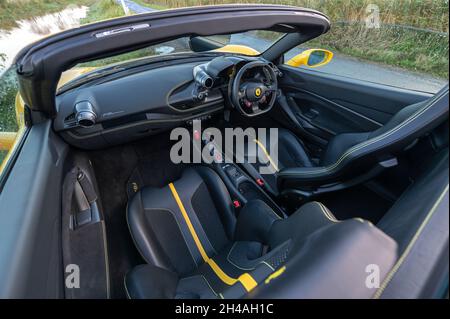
{"x": 121, "y": 108}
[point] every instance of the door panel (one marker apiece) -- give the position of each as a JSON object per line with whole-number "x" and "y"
{"x": 328, "y": 117}
{"x": 30, "y": 219}
{"x": 328, "y": 104}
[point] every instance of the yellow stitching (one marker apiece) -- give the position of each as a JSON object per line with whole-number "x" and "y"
{"x": 326, "y": 212}
{"x": 207, "y": 282}
{"x": 268, "y": 265}
{"x": 371, "y": 141}
{"x": 193, "y": 276}
{"x": 231, "y": 262}
{"x": 263, "y": 148}
{"x": 410, "y": 245}
{"x": 330, "y": 214}
{"x": 239, "y": 267}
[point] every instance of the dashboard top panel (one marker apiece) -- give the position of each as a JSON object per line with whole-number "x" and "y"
{"x": 145, "y": 101}
{"x": 147, "y": 91}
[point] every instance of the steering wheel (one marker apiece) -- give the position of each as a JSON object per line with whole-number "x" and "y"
{"x": 256, "y": 96}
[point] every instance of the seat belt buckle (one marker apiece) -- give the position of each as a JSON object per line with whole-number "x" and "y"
{"x": 236, "y": 204}
{"x": 260, "y": 182}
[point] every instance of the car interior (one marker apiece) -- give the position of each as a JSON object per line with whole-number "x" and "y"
{"x": 361, "y": 179}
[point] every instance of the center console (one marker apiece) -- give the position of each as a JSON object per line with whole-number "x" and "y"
{"x": 241, "y": 186}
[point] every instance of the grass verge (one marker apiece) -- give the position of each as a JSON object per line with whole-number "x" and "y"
{"x": 412, "y": 50}
{"x": 418, "y": 13}
{"x": 393, "y": 44}
{"x": 14, "y": 10}
{"x": 103, "y": 10}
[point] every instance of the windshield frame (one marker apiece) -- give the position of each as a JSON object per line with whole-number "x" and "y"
{"x": 127, "y": 65}
{"x": 48, "y": 58}
{"x": 220, "y": 49}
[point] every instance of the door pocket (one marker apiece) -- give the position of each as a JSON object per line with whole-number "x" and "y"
{"x": 83, "y": 239}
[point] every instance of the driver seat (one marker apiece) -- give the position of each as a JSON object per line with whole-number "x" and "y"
{"x": 348, "y": 156}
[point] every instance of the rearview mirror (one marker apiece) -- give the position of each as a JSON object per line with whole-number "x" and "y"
{"x": 311, "y": 58}
{"x": 219, "y": 43}
{"x": 208, "y": 43}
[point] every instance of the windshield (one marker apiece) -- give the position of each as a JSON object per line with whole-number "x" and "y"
{"x": 246, "y": 43}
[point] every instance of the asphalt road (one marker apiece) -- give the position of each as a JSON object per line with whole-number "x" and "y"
{"x": 342, "y": 65}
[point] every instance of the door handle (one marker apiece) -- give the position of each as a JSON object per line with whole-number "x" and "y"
{"x": 311, "y": 114}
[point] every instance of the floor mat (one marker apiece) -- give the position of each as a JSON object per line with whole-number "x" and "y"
{"x": 145, "y": 162}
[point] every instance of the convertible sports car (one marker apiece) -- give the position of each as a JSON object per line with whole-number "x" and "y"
{"x": 353, "y": 202}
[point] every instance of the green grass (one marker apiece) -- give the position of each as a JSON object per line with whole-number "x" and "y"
{"x": 152, "y": 4}
{"x": 8, "y": 91}
{"x": 108, "y": 9}
{"x": 2, "y": 156}
{"x": 416, "y": 50}
{"x": 411, "y": 49}
{"x": 430, "y": 14}
{"x": 13, "y": 10}
{"x": 103, "y": 10}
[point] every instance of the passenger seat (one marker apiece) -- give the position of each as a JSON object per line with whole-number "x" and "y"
{"x": 197, "y": 245}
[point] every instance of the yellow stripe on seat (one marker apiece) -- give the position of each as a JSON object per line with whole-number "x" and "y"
{"x": 188, "y": 223}
{"x": 263, "y": 148}
{"x": 245, "y": 279}
{"x": 221, "y": 274}
{"x": 275, "y": 274}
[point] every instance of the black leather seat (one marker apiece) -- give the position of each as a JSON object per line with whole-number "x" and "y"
{"x": 197, "y": 246}
{"x": 347, "y": 155}
{"x": 291, "y": 153}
